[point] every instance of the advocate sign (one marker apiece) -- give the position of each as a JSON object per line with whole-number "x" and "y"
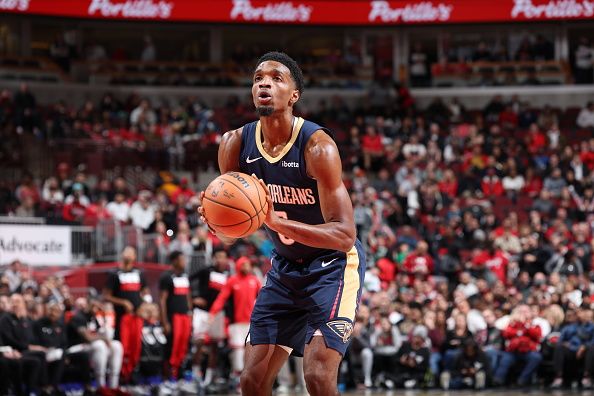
{"x": 35, "y": 245}
{"x": 312, "y": 12}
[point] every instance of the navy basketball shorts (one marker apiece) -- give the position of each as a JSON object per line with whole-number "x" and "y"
{"x": 300, "y": 299}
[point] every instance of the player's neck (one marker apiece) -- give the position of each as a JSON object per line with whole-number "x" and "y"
{"x": 277, "y": 128}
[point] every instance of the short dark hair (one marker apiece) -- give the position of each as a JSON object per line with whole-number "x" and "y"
{"x": 289, "y": 62}
{"x": 173, "y": 256}
{"x": 218, "y": 250}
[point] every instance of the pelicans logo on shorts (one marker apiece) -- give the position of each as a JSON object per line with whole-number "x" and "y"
{"x": 342, "y": 328}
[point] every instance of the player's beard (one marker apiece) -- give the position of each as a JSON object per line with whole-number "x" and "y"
{"x": 265, "y": 111}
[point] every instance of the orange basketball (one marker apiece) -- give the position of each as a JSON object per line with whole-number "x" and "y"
{"x": 235, "y": 204}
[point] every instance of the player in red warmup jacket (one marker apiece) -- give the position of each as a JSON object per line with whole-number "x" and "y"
{"x": 244, "y": 287}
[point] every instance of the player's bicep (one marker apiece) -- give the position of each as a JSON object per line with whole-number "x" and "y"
{"x": 229, "y": 151}
{"x": 325, "y": 167}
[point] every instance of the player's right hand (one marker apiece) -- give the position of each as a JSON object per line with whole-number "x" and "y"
{"x": 203, "y": 215}
{"x": 166, "y": 328}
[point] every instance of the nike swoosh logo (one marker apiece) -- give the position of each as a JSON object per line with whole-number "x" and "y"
{"x": 325, "y": 264}
{"x": 250, "y": 160}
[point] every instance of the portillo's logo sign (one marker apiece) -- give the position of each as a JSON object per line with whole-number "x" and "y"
{"x": 554, "y": 9}
{"x": 14, "y": 5}
{"x": 424, "y": 11}
{"x": 284, "y": 11}
{"x": 131, "y": 8}
{"x": 315, "y": 12}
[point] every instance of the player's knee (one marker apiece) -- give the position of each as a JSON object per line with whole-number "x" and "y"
{"x": 317, "y": 380}
{"x": 250, "y": 382}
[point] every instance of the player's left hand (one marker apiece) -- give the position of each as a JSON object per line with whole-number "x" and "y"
{"x": 272, "y": 219}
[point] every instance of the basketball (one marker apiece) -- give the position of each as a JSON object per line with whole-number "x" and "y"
{"x": 235, "y": 204}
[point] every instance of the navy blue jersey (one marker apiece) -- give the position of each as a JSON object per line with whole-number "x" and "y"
{"x": 294, "y": 193}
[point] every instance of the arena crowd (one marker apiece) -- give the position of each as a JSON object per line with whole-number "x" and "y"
{"x": 478, "y": 227}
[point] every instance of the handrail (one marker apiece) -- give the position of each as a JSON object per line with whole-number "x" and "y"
{"x": 22, "y": 220}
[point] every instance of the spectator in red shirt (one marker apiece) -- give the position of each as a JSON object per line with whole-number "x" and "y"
{"x": 532, "y": 184}
{"x": 508, "y": 118}
{"x": 491, "y": 184}
{"x": 244, "y": 287}
{"x": 76, "y": 204}
{"x": 522, "y": 341}
{"x": 182, "y": 189}
{"x": 387, "y": 273}
{"x": 587, "y": 155}
{"x": 449, "y": 185}
{"x": 492, "y": 263}
{"x": 372, "y": 146}
{"x": 536, "y": 140}
{"x": 96, "y": 212}
{"x": 419, "y": 263}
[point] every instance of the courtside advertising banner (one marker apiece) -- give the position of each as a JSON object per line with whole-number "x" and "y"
{"x": 35, "y": 245}
{"x": 311, "y": 12}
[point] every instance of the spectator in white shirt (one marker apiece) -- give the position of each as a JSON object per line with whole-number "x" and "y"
{"x": 119, "y": 208}
{"x": 467, "y": 285}
{"x": 51, "y": 193}
{"x": 513, "y": 183}
{"x": 143, "y": 114}
{"x": 414, "y": 149}
{"x": 554, "y": 136}
{"x": 586, "y": 117}
{"x": 142, "y": 212}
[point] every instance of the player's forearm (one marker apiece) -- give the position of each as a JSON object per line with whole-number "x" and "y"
{"x": 332, "y": 235}
{"x": 163, "y": 309}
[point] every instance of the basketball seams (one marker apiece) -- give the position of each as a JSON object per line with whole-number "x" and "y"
{"x": 243, "y": 192}
{"x": 250, "y": 218}
{"x": 230, "y": 207}
{"x": 258, "y": 211}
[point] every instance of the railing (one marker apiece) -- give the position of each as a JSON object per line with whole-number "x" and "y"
{"x": 83, "y": 245}
{"x": 500, "y": 73}
{"x": 31, "y": 68}
{"x": 105, "y": 242}
{"x": 207, "y": 74}
{"x": 22, "y": 220}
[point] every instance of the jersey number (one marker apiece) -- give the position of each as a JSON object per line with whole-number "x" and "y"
{"x": 284, "y": 239}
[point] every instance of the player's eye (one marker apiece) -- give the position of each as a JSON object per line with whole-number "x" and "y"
{"x": 257, "y": 78}
{"x": 277, "y": 78}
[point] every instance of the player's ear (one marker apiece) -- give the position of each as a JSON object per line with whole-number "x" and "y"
{"x": 295, "y": 97}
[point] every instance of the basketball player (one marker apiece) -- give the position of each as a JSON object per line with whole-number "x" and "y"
{"x": 308, "y": 304}
{"x": 125, "y": 289}
{"x": 176, "y": 300}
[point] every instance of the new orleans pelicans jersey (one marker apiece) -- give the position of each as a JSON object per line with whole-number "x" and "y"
{"x": 294, "y": 193}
